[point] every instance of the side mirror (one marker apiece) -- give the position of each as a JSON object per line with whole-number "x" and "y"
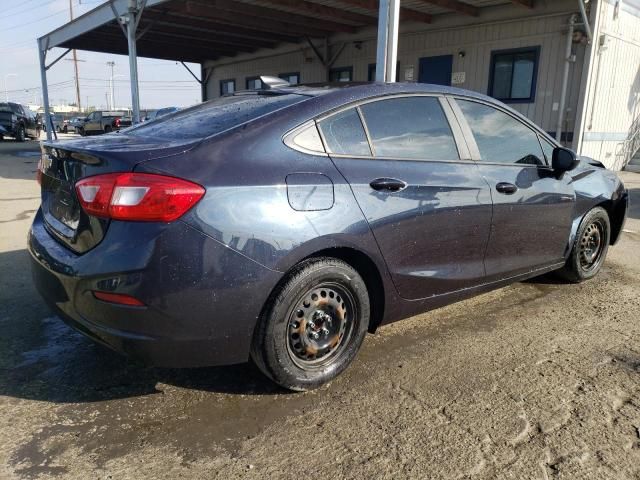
{"x": 564, "y": 160}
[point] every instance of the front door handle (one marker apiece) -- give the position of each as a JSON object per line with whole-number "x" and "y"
{"x": 388, "y": 184}
{"x": 506, "y": 188}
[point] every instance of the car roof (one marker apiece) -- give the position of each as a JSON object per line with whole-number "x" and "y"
{"x": 361, "y": 90}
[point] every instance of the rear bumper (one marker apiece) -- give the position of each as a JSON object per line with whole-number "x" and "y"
{"x": 202, "y": 299}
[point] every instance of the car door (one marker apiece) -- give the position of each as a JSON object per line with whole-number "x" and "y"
{"x": 427, "y": 204}
{"x": 532, "y": 205}
{"x": 93, "y": 123}
{"x": 29, "y": 121}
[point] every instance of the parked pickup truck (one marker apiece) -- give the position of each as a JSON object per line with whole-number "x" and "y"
{"x": 104, "y": 122}
{"x": 18, "y": 121}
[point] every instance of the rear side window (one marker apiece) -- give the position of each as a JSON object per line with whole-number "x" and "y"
{"x": 410, "y": 127}
{"x": 215, "y": 116}
{"x": 344, "y": 134}
{"x": 500, "y": 137}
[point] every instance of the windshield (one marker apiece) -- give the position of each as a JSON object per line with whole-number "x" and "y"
{"x": 214, "y": 116}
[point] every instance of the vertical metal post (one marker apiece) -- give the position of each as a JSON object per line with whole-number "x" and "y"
{"x": 133, "y": 60}
{"x": 387, "y": 54}
{"x": 42, "y": 53}
{"x": 565, "y": 77}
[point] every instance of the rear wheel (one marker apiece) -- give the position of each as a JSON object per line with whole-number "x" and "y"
{"x": 313, "y": 328}
{"x": 590, "y": 247}
{"x": 21, "y": 134}
{"x": 107, "y": 129}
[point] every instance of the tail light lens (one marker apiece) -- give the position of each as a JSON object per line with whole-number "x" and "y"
{"x": 117, "y": 122}
{"x": 141, "y": 197}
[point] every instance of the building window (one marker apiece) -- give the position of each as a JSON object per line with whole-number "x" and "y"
{"x": 227, "y": 87}
{"x": 371, "y": 72}
{"x": 342, "y": 74}
{"x": 514, "y": 74}
{"x": 292, "y": 78}
{"x": 253, "y": 83}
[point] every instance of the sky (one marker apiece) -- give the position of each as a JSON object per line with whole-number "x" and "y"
{"x": 162, "y": 83}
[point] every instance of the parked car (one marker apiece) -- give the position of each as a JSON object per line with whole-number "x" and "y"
{"x": 283, "y": 225}
{"x": 76, "y": 123}
{"x": 18, "y": 121}
{"x": 60, "y": 124}
{"x": 153, "y": 114}
{"x": 104, "y": 122}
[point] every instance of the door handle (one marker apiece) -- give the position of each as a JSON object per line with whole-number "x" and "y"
{"x": 506, "y": 188}
{"x": 388, "y": 184}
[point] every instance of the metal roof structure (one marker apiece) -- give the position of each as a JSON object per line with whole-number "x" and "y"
{"x": 200, "y": 30}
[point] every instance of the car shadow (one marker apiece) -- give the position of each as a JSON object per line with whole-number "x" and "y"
{"x": 634, "y": 203}
{"x": 41, "y": 358}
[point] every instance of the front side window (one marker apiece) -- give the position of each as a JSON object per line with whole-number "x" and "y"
{"x": 513, "y": 75}
{"x": 500, "y": 137}
{"x": 344, "y": 134}
{"x": 343, "y": 74}
{"x": 227, "y": 87}
{"x": 548, "y": 149}
{"x": 410, "y": 127}
{"x": 254, "y": 83}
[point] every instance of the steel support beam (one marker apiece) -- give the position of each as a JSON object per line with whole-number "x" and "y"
{"x": 387, "y": 55}
{"x": 132, "y": 19}
{"x": 42, "y": 53}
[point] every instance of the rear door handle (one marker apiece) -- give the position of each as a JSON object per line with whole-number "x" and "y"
{"x": 506, "y": 188}
{"x": 388, "y": 184}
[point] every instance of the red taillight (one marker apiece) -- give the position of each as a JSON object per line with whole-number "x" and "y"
{"x": 117, "y": 122}
{"x": 119, "y": 298}
{"x": 142, "y": 197}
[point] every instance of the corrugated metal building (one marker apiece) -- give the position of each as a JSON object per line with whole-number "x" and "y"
{"x": 469, "y": 50}
{"x": 572, "y": 66}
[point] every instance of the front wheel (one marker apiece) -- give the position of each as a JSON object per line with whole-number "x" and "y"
{"x": 314, "y": 325}
{"x": 590, "y": 247}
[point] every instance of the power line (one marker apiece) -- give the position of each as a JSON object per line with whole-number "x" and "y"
{"x": 35, "y": 21}
{"x": 22, "y": 12}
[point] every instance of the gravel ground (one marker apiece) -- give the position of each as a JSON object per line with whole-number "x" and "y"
{"x": 539, "y": 380}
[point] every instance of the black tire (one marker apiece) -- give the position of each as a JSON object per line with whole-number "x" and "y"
{"x": 65, "y": 129}
{"x": 589, "y": 248}
{"x": 21, "y": 134}
{"x": 82, "y": 132}
{"x": 313, "y": 326}
{"x": 108, "y": 129}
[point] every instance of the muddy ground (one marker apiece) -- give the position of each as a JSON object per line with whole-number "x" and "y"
{"x": 539, "y": 380}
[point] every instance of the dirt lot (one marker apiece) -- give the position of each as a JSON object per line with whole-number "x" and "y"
{"x": 538, "y": 380}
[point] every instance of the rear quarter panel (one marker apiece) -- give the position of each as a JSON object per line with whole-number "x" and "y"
{"x": 247, "y": 206}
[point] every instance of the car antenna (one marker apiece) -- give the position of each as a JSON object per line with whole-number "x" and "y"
{"x": 269, "y": 82}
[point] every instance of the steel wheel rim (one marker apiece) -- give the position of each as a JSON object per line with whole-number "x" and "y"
{"x": 320, "y": 325}
{"x": 592, "y": 244}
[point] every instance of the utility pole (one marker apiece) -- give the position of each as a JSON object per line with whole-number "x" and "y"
{"x": 112, "y": 65}
{"x": 75, "y": 64}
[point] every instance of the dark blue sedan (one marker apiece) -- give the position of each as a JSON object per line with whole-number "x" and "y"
{"x": 284, "y": 224}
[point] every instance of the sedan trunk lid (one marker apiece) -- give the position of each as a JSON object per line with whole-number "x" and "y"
{"x": 63, "y": 164}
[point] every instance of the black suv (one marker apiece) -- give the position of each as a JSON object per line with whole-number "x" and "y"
{"x": 18, "y": 121}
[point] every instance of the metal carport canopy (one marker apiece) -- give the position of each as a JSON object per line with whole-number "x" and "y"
{"x": 196, "y": 31}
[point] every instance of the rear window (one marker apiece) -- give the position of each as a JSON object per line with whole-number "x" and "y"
{"x": 215, "y": 116}
{"x": 5, "y": 107}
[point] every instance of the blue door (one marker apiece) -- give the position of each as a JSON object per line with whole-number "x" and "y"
{"x": 436, "y": 70}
